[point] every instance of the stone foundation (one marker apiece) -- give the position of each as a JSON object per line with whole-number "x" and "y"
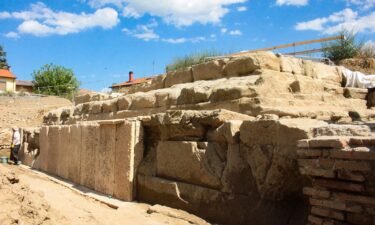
{"x": 341, "y": 171}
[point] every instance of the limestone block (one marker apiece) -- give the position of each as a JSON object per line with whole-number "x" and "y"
{"x": 158, "y": 82}
{"x": 358, "y": 93}
{"x": 327, "y": 73}
{"x": 173, "y": 94}
{"x": 230, "y": 91}
{"x": 75, "y": 145}
{"x": 184, "y": 161}
{"x": 64, "y": 152}
{"x": 161, "y": 98}
{"x": 90, "y": 150}
{"x": 41, "y": 162}
{"x": 96, "y": 107}
{"x": 209, "y": 70}
{"x": 124, "y": 103}
{"x": 179, "y": 77}
{"x": 247, "y": 64}
{"x": 53, "y": 154}
{"x": 342, "y": 130}
{"x": 143, "y": 100}
{"x": 82, "y": 99}
{"x": 291, "y": 65}
{"x": 229, "y": 132}
{"x": 129, "y": 153}
{"x": 193, "y": 95}
{"x": 110, "y": 106}
{"x": 105, "y": 160}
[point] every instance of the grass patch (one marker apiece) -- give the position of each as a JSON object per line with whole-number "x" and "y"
{"x": 180, "y": 63}
{"x": 344, "y": 48}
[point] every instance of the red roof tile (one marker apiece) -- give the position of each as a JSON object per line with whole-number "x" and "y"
{"x": 7, "y": 74}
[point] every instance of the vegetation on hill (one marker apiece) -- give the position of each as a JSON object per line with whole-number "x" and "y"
{"x": 180, "y": 63}
{"x": 3, "y": 60}
{"x": 55, "y": 80}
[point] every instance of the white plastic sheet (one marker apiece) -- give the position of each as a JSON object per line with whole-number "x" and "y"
{"x": 357, "y": 79}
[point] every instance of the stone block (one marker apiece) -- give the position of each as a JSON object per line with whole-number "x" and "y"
{"x": 228, "y": 91}
{"x": 143, "y": 100}
{"x": 329, "y": 142}
{"x": 350, "y": 176}
{"x": 129, "y": 153}
{"x": 357, "y": 93}
{"x": 63, "y": 149}
{"x": 353, "y": 165}
{"x": 339, "y": 185}
{"x": 124, "y": 103}
{"x": 194, "y": 95}
{"x": 308, "y": 153}
{"x": 90, "y": 150}
{"x": 337, "y": 205}
{"x": 75, "y": 145}
{"x": 353, "y": 155}
{"x": 53, "y": 154}
{"x": 179, "y": 77}
{"x": 184, "y": 161}
{"x": 328, "y": 213}
{"x": 320, "y": 193}
{"x": 41, "y": 161}
{"x": 96, "y": 107}
{"x": 209, "y": 70}
{"x": 110, "y": 106}
{"x": 291, "y": 65}
{"x": 361, "y": 219}
{"x": 82, "y": 99}
{"x": 317, "y": 172}
{"x": 361, "y": 199}
{"x": 105, "y": 160}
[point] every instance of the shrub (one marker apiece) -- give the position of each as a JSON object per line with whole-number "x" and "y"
{"x": 342, "y": 49}
{"x": 180, "y": 63}
{"x": 367, "y": 50}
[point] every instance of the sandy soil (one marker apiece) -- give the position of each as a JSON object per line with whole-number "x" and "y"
{"x": 35, "y": 199}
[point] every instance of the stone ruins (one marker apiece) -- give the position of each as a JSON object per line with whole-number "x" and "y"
{"x": 259, "y": 139}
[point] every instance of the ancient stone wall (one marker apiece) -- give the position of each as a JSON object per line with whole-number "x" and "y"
{"x": 341, "y": 188}
{"x": 260, "y": 83}
{"x": 102, "y": 156}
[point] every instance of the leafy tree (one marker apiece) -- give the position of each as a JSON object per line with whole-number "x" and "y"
{"x": 342, "y": 49}
{"x": 3, "y": 60}
{"x": 55, "y": 80}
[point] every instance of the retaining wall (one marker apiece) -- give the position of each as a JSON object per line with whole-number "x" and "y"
{"x": 342, "y": 173}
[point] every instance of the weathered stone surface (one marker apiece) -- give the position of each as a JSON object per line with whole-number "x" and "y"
{"x": 53, "y": 154}
{"x": 342, "y": 130}
{"x": 358, "y": 93}
{"x": 179, "y": 77}
{"x": 75, "y": 145}
{"x": 185, "y": 161}
{"x": 90, "y": 150}
{"x": 105, "y": 160}
{"x": 41, "y": 162}
{"x": 64, "y": 150}
{"x": 209, "y": 70}
{"x": 110, "y": 106}
{"x": 141, "y": 101}
{"x": 124, "y": 103}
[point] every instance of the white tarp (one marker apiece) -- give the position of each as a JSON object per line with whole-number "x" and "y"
{"x": 357, "y": 79}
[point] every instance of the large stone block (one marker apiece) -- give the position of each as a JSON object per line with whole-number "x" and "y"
{"x": 230, "y": 91}
{"x": 105, "y": 160}
{"x": 75, "y": 144}
{"x": 124, "y": 103}
{"x": 143, "y": 100}
{"x": 129, "y": 153}
{"x": 41, "y": 161}
{"x": 185, "y": 161}
{"x": 209, "y": 70}
{"x": 53, "y": 153}
{"x": 194, "y": 94}
{"x": 64, "y": 150}
{"x": 110, "y": 106}
{"x": 179, "y": 77}
{"x": 90, "y": 150}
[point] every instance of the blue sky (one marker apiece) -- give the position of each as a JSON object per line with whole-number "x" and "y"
{"x": 101, "y": 40}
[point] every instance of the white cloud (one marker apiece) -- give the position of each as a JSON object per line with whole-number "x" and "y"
{"x": 292, "y": 2}
{"x": 346, "y": 19}
{"x": 176, "y": 12}
{"x": 235, "y": 32}
{"x": 42, "y": 21}
{"x": 13, "y": 35}
{"x": 242, "y": 9}
{"x": 144, "y": 32}
{"x": 224, "y": 30}
{"x": 364, "y": 4}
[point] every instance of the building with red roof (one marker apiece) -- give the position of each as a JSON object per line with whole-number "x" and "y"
{"x": 7, "y": 81}
{"x": 124, "y": 86}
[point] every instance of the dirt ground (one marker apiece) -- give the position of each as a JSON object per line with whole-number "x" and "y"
{"x": 24, "y": 111}
{"x": 27, "y": 198}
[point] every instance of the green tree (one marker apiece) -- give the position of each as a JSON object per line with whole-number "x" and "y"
{"x": 55, "y": 80}
{"x": 3, "y": 61}
{"x": 344, "y": 48}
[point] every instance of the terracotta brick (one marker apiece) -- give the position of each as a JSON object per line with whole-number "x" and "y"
{"x": 362, "y": 141}
{"x": 353, "y": 155}
{"x": 316, "y": 192}
{"x": 359, "y": 219}
{"x": 354, "y": 198}
{"x": 336, "y": 205}
{"x": 327, "y": 213}
{"x": 319, "y": 163}
{"x": 352, "y": 176}
{"x": 309, "y": 153}
{"x": 340, "y": 185}
{"x": 318, "y": 172}
{"x": 353, "y": 165}
{"x": 329, "y": 142}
